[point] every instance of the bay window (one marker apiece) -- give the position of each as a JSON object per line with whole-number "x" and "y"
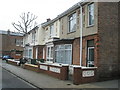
{"x": 63, "y": 54}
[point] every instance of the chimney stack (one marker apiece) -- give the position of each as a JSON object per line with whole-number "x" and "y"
{"x": 48, "y": 19}
{"x": 8, "y": 32}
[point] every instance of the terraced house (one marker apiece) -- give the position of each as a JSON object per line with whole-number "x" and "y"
{"x": 33, "y": 44}
{"x": 86, "y": 38}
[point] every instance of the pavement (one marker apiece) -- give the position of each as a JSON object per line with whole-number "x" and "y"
{"x": 41, "y": 80}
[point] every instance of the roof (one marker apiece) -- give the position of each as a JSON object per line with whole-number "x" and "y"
{"x": 74, "y": 7}
{"x": 11, "y": 33}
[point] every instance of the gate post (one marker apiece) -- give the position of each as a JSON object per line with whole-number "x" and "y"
{"x": 77, "y": 75}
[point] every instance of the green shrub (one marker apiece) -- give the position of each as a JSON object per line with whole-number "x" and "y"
{"x": 41, "y": 60}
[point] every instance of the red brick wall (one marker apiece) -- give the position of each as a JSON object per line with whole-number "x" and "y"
{"x": 63, "y": 75}
{"x": 78, "y": 76}
{"x": 96, "y": 43}
{"x": 108, "y": 33}
{"x": 12, "y": 62}
{"x": 15, "y": 56}
{"x": 34, "y": 52}
{"x": 31, "y": 67}
{"x": 76, "y": 50}
{"x": 8, "y": 43}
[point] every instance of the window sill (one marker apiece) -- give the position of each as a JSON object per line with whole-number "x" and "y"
{"x": 71, "y": 32}
{"x": 90, "y": 26}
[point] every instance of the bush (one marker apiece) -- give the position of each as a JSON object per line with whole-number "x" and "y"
{"x": 41, "y": 60}
{"x": 33, "y": 61}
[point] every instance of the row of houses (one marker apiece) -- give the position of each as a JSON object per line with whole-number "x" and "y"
{"x": 85, "y": 35}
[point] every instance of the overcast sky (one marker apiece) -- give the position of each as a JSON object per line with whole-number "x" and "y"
{"x": 11, "y": 9}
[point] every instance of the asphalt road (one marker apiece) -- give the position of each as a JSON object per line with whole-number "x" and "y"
{"x": 11, "y": 81}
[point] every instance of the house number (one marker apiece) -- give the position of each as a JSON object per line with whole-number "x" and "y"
{"x": 57, "y": 70}
{"x": 43, "y": 67}
{"x": 88, "y": 73}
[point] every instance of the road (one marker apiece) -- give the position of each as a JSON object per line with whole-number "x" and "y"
{"x": 11, "y": 81}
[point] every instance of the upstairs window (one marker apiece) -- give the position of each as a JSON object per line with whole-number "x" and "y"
{"x": 72, "y": 22}
{"x": 91, "y": 14}
{"x": 33, "y": 37}
{"x": 18, "y": 42}
{"x": 51, "y": 30}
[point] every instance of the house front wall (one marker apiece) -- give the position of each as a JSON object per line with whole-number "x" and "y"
{"x": 108, "y": 33}
{"x": 87, "y": 30}
{"x": 9, "y": 43}
{"x": 90, "y": 30}
{"x": 55, "y": 32}
{"x": 41, "y": 36}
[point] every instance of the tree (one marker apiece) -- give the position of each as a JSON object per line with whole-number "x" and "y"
{"x": 26, "y": 24}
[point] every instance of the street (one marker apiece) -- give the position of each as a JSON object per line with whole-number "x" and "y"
{"x": 11, "y": 81}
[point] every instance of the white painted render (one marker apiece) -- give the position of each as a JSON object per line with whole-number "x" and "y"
{"x": 55, "y": 34}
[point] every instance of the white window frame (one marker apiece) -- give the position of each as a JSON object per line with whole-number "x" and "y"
{"x": 33, "y": 37}
{"x": 89, "y": 14}
{"x": 31, "y": 53}
{"x": 37, "y": 53}
{"x": 88, "y": 49}
{"x": 43, "y": 53}
{"x": 48, "y": 57}
{"x": 73, "y": 18}
{"x": 18, "y": 42}
{"x": 51, "y": 30}
{"x": 67, "y": 49}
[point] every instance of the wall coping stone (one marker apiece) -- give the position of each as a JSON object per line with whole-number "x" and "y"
{"x": 32, "y": 65}
{"x": 55, "y": 64}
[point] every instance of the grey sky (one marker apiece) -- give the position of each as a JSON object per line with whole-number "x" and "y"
{"x": 11, "y": 9}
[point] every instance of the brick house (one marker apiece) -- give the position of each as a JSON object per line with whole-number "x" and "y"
{"x": 84, "y": 36}
{"x": 99, "y": 38}
{"x": 11, "y": 44}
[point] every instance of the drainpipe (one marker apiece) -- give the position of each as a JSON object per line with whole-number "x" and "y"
{"x": 81, "y": 29}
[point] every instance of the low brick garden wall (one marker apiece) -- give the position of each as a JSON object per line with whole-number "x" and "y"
{"x": 55, "y": 70}
{"x": 31, "y": 67}
{"x": 13, "y": 62}
{"x": 80, "y": 75}
{"x": 83, "y": 75}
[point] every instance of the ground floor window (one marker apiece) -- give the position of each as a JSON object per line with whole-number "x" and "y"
{"x": 36, "y": 53}
{"x": 90, "y": 53}
{"x": 28, "y": 53}
{"x": 63, "y": 54}
{"x": 49, "y": 53}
